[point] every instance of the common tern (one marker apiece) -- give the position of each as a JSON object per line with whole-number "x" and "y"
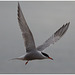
{"x": 33, "y": 52}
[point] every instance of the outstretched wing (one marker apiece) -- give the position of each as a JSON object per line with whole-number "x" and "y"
{"x": 27, "y": 35}
{"x": 55, "y": 37}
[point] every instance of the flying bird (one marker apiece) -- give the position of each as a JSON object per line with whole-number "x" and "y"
{"x": 33, "y": 52}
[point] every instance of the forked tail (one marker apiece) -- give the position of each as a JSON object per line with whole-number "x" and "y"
{"x": 19, "y": 58}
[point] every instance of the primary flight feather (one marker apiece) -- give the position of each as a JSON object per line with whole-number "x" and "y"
{"x": 26, "y": 33}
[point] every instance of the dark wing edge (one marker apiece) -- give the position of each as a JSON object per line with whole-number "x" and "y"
{"x": 55, "y": 37}
{"x": 26, "y": 33}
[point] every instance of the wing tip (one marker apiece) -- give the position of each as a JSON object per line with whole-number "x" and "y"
{"x": 66, "y": 28}
{"x": 18, "y": 4}
{"x": 61, "y": 30}
{"x": 18, "y": 10}
{"x": 68, "y": 23}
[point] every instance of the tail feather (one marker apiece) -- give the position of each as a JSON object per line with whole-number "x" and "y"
{"x": 17, "y": 59}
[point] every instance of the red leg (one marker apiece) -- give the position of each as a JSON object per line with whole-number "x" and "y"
{"x": 26, "y": 62}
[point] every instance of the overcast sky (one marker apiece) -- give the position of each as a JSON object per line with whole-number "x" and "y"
{"x": 43, "y": 18}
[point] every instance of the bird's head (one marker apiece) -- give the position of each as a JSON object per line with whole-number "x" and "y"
{"x": 46, "y": 55}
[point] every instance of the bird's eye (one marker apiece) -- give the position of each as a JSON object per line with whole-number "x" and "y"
{"x": 45, "y": 54}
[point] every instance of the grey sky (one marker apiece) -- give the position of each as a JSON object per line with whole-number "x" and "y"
{"x": 43, "y": 18}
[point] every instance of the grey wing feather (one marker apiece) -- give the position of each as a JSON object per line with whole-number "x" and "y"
{"x": 54, "y": 38}
{"x": 26, "y": 33}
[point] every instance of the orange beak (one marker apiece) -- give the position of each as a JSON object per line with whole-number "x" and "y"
{"x": 50, "y": 58}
